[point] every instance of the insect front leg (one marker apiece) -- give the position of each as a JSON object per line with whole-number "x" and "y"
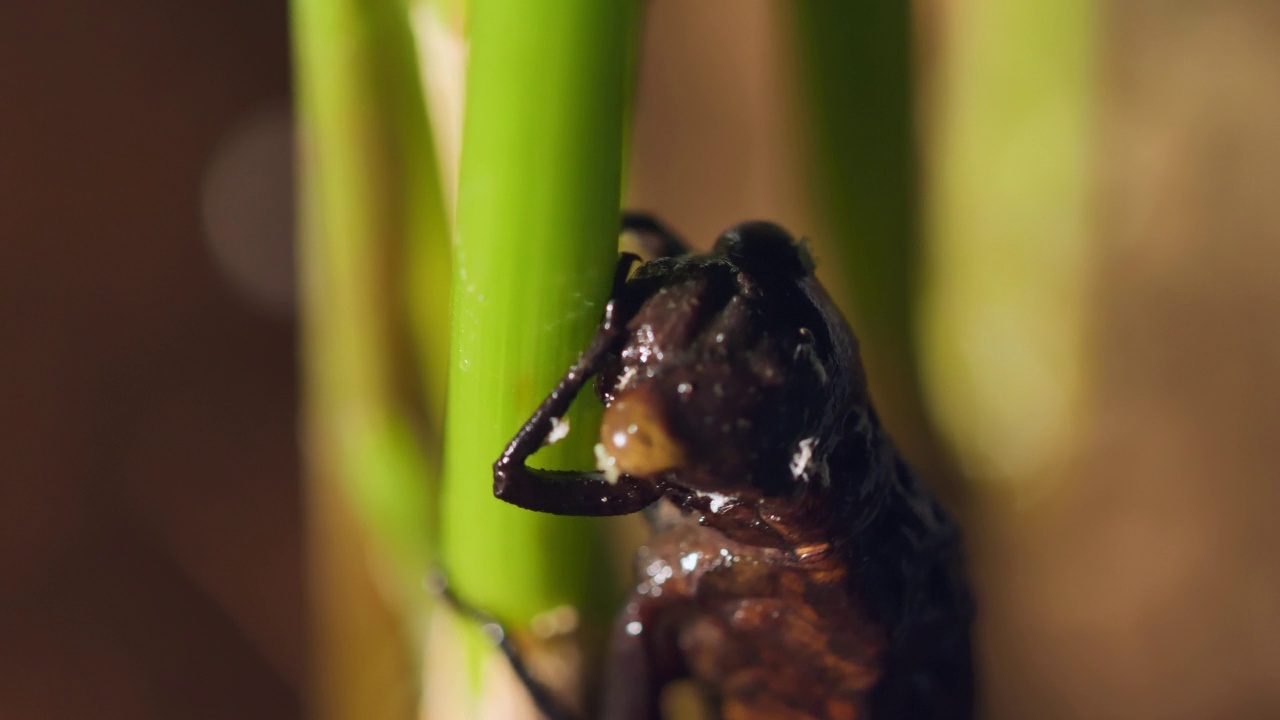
{"x": 558, "y": 492}
{"x": 643, "y": 658}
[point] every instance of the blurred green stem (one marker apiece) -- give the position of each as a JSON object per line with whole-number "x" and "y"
{"x": 370, "y": 200}
{"x": 858, "y": 74}
{"x": 372, "y": 229}
{"x": 1008, "y": 254}
{"x": 860, "y": 81}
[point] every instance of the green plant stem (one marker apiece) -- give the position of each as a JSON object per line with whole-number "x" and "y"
{"x": 369, "y": 198}
{"x": 535, "y": 247}
{"x": 372, "y": 228}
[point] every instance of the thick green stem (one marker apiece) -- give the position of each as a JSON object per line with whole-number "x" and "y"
{"x": 534, "y": 250}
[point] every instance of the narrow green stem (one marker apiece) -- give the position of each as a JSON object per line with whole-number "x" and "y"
{"x": 534, "y": 250}
{"x": 371, "y": 216}
{"x": 369, "y": 198}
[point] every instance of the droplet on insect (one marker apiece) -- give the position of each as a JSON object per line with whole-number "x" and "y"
{"x": 804, "y": 453}
{"x": 718, "y": 501}
{"x": 559, "y": 430}
{"x": 625, "y": 379}
{"x": 634, "y": 627}
{"x": 606, "y": 464}
{"x": 684, "y": 388}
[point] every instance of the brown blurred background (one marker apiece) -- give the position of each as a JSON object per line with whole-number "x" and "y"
{"x": 150, "y": 525}
{"x": 151, "y": 557}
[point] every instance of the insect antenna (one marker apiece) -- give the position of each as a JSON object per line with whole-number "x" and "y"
{"x": 655, "y": 239}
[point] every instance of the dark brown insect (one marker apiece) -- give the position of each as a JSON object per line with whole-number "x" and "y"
{"x": 797, "y": 567}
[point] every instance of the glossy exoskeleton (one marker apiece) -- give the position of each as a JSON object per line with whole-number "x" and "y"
{"x": 797, "y": 567}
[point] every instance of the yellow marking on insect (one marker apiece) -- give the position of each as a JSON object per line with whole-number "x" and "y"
{"x": 634, "y": 438}
{"x": 809, "y": 553}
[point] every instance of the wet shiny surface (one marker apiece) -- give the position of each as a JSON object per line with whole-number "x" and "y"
{"x": 772, "y": 629}
{"x": 797, "y": 567}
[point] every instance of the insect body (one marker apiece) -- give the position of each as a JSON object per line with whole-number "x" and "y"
{"x": 797, "y": 567}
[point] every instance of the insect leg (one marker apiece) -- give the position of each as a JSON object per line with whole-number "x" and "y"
{"x": 545, "y": 700}
{"x": 643, "y": 658}
{"x": 572, "y": 492}
{"x": 655, "y": 239}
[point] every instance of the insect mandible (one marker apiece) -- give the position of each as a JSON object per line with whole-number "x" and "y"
{"x": 797, "y": 567}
